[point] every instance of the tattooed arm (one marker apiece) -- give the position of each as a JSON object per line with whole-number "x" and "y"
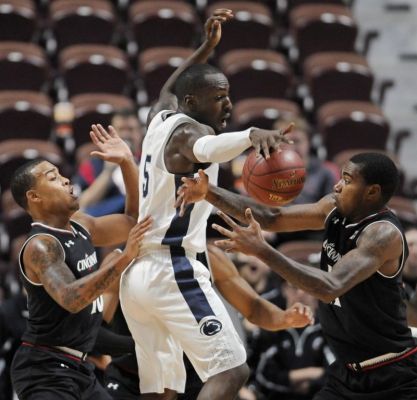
{"x": 44, "y": 263}
{"x": 379, "y": 248}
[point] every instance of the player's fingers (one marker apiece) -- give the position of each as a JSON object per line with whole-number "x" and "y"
{"x": 257, "y": 148}
{"x": 223, "y": 231}
{"x": 288, "y": 128}
{"x": 112, "y": 131}
{"x": 265, "y": 149}
{"x": 103, "y": 132}
{"x": 182, "y": 208}
{"x": 226, "y": 245}
{"x": 98, "y": 154}
{"x": 227, "y": 219}
{"x": 202, "y": 174}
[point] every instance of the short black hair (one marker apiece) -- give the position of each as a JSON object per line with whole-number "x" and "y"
{"x": 22, "y": 181}
{"x": 377, "y": 168}
{"x": 192, "y": 79}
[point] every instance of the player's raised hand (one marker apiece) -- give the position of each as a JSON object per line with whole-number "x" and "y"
{"x": 213, "y": 26}
{"x": 111, "y": 147}
{"x": 264, "y": 140}
{"x": 244, "y": 239}
{"x": 191, "y": 191}
{"x": 298, "y": 316}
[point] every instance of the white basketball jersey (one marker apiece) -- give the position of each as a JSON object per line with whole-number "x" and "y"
{"x": 158, "y": 189}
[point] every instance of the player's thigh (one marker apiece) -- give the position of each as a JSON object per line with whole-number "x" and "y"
{"x": 201, "y": 324}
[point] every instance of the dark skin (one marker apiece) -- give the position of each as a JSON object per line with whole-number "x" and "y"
{"x": 250, "y": 304}
{"x": 379, "y": 246}
{"x": 51, "y": 202}
{"x": 210, "y": 106}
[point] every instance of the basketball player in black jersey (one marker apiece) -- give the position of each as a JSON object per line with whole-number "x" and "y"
{"x": 361, "y": 310}
{"x": 62, "y": 277}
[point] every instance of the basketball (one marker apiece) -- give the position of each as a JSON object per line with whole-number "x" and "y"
{"x": 276, "y": 181}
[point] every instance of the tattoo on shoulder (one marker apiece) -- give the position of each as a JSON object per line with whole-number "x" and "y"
{"x": 46, "y": 251}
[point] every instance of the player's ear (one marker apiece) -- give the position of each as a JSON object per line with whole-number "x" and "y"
{"x": 32, "y": 196}
{"x": 374, "y": 191}
{"x": 190, "y": 102}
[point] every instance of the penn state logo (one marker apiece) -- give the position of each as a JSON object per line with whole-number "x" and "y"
{"x": 210, "y": 327}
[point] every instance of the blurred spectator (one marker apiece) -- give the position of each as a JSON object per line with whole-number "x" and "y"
{"x": 293, "y": 367}
{"x": 320, "y": 177}
{"x": 101, "y": 183}
{"x": 410, "y": 266}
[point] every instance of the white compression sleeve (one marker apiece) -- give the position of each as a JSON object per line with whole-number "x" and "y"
{"x": 223, "y": 147}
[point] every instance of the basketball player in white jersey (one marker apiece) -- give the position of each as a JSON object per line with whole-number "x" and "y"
{"x": 166, "y": 296}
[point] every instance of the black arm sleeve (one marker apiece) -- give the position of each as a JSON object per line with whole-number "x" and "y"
{"x": 111, "y": 343}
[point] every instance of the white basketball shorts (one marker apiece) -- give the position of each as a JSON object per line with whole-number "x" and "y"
{"x": 170, "y": 307}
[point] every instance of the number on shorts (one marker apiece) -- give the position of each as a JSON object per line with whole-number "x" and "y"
{"x": 98, "y": 305}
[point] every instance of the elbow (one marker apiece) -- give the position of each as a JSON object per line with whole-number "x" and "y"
{"x": 329, "y": 294}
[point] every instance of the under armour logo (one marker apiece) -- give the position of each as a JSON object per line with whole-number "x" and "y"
{"x": 63, "y": 365}
{"x": 113, "y": 386}
{"x": 335, "y": 220}
{"x": 69, "y": 243}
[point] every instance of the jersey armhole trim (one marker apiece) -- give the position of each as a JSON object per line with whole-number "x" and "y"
{"x": 21, "y": 255}
{"x": 401, "y": 264}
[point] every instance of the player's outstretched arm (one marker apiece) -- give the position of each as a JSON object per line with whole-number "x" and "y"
{"x": 44, "y": 263}
{"x": 275, "y": 219}
{"x": 253, "y": 307}
{"x": 167, "y": 99}
{"x": 114, "y": 229}
{"x": 379, "y": 247}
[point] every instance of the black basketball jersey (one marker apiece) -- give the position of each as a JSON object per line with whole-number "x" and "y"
{"x": 49, "y": 323}
{"x": 370, "y": 319}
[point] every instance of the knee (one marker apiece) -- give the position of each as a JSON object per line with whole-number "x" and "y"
{"x": 238, "y": 375}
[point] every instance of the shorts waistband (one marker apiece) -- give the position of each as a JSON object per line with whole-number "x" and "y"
{"x": 381, "y": 360}
{"x": 67, "y": 351}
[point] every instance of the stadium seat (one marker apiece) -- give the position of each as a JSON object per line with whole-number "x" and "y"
{"x": 25, "y": 115}
{"x": 80, "y": 21}
{"x": 256, "y": 73}
{"x": 23, "y": 66}
{"x": 16, "y": 152}
{"x": 162, "y": 23}
{"x": 261, "y": 112}
{"x": 347, "y": 125}
{"x": 251, "y": 27}
{"x": 157, "y": 64}
{"x": 322, "y": 27}
{"x": 337, "y": 76}
{"x": 18, "y": 20}
{"x": 94, "y": 68}
{"x": 95, "y": 108}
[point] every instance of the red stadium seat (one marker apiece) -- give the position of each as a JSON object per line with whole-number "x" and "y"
{"x": 157, "y": 64}
{"x": 256, "y": 73}
{"x": 251, "y": 28}
{"x": 322, "y": 27}
{"x": 338, "y": 76}
{"x": 18, "y": 20}
{"x": 94, "y": 68}
{"x": 80, "y": 21}
{"x": 162, "y": 23}
{"x": 23, "y": 66}
{"x": 352, "y": 124}
{"x": 25, "y": 114}
{"x": 95, "y": 108}
{"x": 16, "y": 152}
{"x": 262, "y": 112}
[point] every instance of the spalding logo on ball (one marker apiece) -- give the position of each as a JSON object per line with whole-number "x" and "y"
{"x": 276, "y": 181}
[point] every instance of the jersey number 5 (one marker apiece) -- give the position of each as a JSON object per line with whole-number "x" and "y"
{"x": 145, "y": 186}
